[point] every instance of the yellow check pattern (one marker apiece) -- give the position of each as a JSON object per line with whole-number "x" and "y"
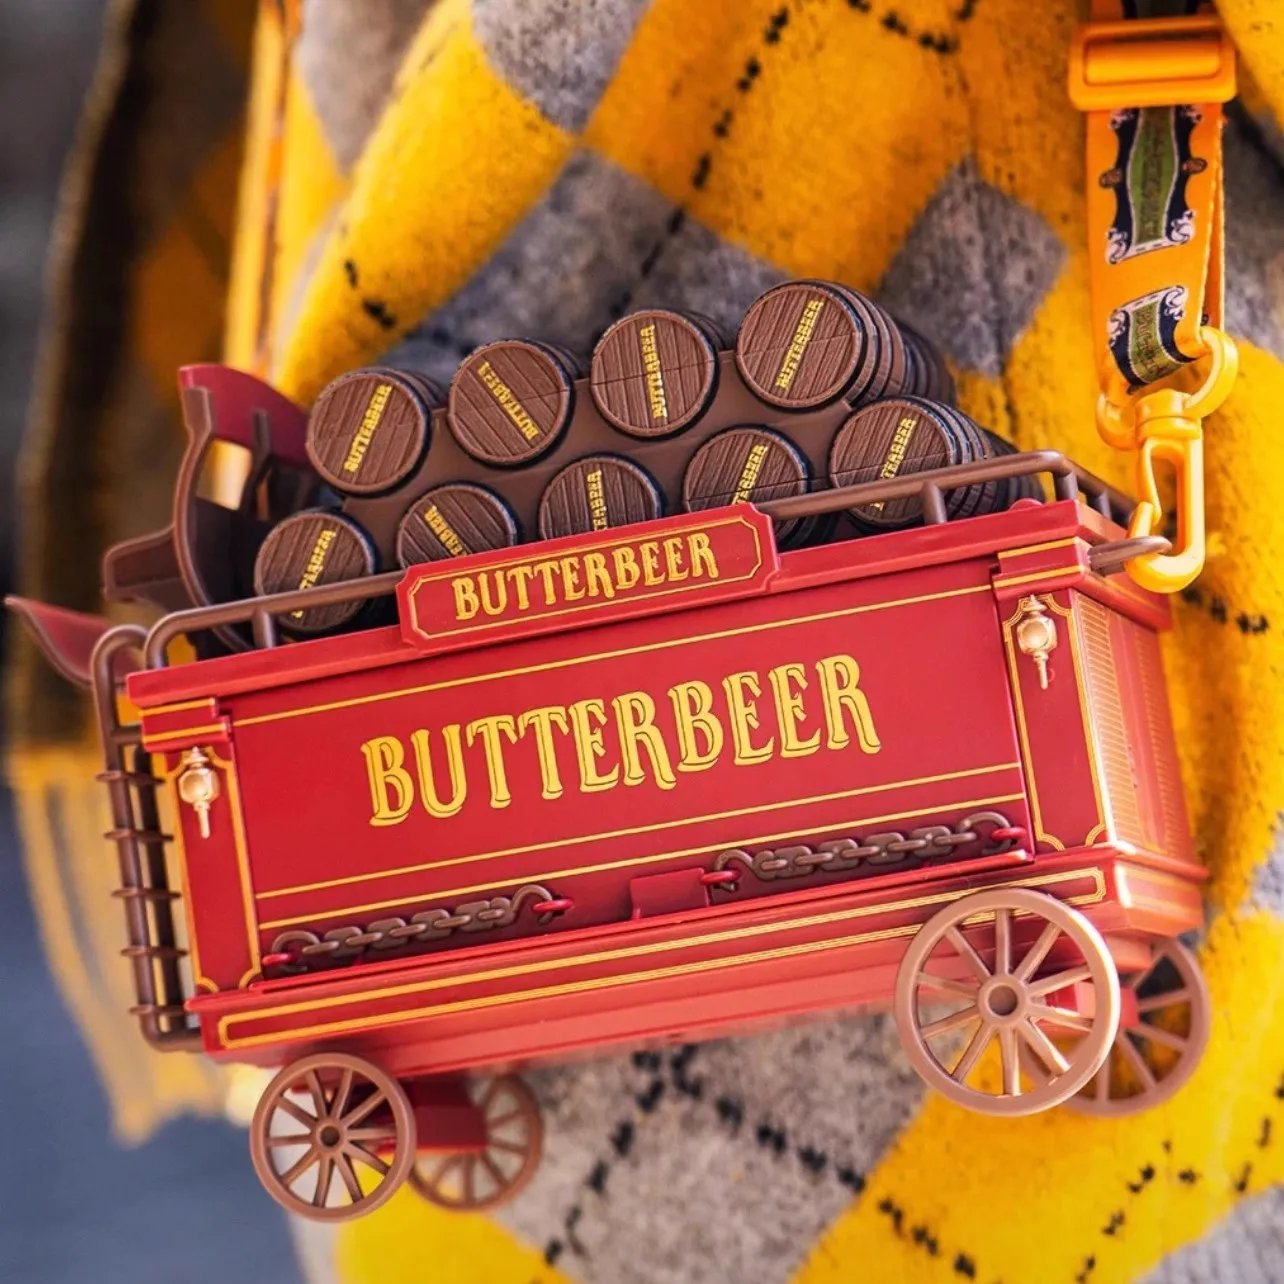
{"x": 854, "y": 117}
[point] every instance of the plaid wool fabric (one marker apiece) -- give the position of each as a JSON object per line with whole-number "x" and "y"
{"x": 417, "y": 178}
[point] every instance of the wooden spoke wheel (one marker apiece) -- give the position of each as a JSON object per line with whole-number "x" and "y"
{"x": 333, "y": 1137}
{"x": 469, "y": 1181}
{"x": 1047, "y": 1050}
{"x": 1155, "y": 1053}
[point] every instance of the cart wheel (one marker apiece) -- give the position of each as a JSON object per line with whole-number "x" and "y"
{"x": 1008, "y": 1002}
{"x": 319, "y": 1123}
{"x": 1155, "y": 1054}
{"x": 468, "y": 1181}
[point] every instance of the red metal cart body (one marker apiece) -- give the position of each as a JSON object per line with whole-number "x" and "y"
{"x": 664, "y": 783}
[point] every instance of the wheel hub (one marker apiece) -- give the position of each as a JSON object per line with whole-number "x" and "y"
{"x": 1002, "y": 1000}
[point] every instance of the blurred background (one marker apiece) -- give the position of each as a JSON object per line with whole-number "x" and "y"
{"x": 75, "y": 1205}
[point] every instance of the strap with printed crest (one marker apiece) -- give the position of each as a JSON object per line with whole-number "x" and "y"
{"x": 1154, "y": 190}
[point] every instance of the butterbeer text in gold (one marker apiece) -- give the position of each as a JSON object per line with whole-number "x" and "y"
{"x": 316, "y": 564}
{"x": 896, "y": 452}
{"x": 654, "y": 375}
{"x": 798, "y": 345}
{"x": 604, "y": 575}
{"x": 596, "y": 500}
{"x": 508, "y": 402}
{"x": 633, "y": 738}
{"x": 444, "y": 531}
{"x": 749, "y": 474}
{"x": 369, "y": 422}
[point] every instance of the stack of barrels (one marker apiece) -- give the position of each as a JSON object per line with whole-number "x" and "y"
{"x": 820, "y": 388}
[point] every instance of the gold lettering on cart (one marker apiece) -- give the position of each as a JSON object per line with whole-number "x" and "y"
{"x": 556, "y": 581}
{"x": 654, "y": 374}
{"x": 896, "y": 453}
{"x": 444, "y": 531}
{"x": 798, "y": 345}
{"x": 369, "y": 422}
{"x": 508, "y": 402}
{"x": 316, "y": 564}
{"x": 629, "y": 739}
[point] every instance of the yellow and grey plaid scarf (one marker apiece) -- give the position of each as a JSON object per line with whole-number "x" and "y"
{"x": 418, "y": 178}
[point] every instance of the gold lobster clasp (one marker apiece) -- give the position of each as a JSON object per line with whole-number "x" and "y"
{"x": 1166, "y": 426}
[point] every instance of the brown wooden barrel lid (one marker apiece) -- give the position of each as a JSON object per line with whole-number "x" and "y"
{"x": 452, "y": 520}
{"x": 509, "y": 402}
{"x": 653, "y": 373}
{"x": 889, "y": 439}
{"x": 595, "y": 493}
{"x": 368, "y": 431}
{"x": 311, "y": 549}
{"x": 800, "y": 345}
{"x": 746, "y": 465}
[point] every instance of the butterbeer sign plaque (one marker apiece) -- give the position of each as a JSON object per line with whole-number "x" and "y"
{"x": 694, "y": 559}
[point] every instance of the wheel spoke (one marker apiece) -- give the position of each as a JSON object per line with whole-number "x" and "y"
{"x": 326, "y": 1175}
{"x": 952, "y": 1022}
{"x": 318, "y": 1094}
{"x": 1011, "y": 1061}
{"x": 1037, "y": 952}
{"x": 367, "y": 1157}
{"x": 1043, "y": 1047}
{"x": 1154, "y": 1002}
{"x": 1002, "y": 941}
{"x": 470, "y": 1170}
{"x": 1159, "y": 1035}
{"x": 1059, "y": 980}
{"x": 296, "y": 1111}
{"x": 945, "y": 984}
{"x": 296, "y": 1170}
{"x": 339, "y": 1103}
{"x": 1033, "y": 1066}
{"x": 365, "y": 1109}
{"x": 1137, "y": 1061}
{"x": 453, "y": 1160}
{"x": 966, "y": 952}
{"x": 489, "y": 1094}
{"x": 1061, "y": 1016}
{"x": 501, "y": 1182}
{"x": 972, "y": 1053}
{"x": 295, "y": 1139}
{"x": 1103, "y": 1079}
{"x": 511, "y": 1117}
{"x": 349, "y": 1175}
{"x": 510, "y": 1147}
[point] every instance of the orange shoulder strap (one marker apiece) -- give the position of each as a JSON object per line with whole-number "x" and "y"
{"x": 1151, "y": 77}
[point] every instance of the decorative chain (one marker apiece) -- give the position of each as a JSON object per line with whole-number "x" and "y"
{"x": 841, "y": 854}
{"x": 292, "y": 949}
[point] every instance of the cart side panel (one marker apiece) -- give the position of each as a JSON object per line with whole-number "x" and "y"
{"x": 1140, "y": 779}
{"x": 896, "y": 713}
{"x": 1055, "y": 730}
{"x": 215, "y": 878}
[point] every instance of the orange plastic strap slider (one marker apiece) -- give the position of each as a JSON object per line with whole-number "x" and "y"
{"x": 1166, "y": 426}
{"x": 1151, "y": 62}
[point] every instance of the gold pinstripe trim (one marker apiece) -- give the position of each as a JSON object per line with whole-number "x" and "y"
{"x": 680, "y": 823}
{"x": 665, "y": 645}
{"x": 225, "y": 1023}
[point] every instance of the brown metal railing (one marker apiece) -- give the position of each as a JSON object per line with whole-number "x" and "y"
{"x": 1068, "y": 480}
